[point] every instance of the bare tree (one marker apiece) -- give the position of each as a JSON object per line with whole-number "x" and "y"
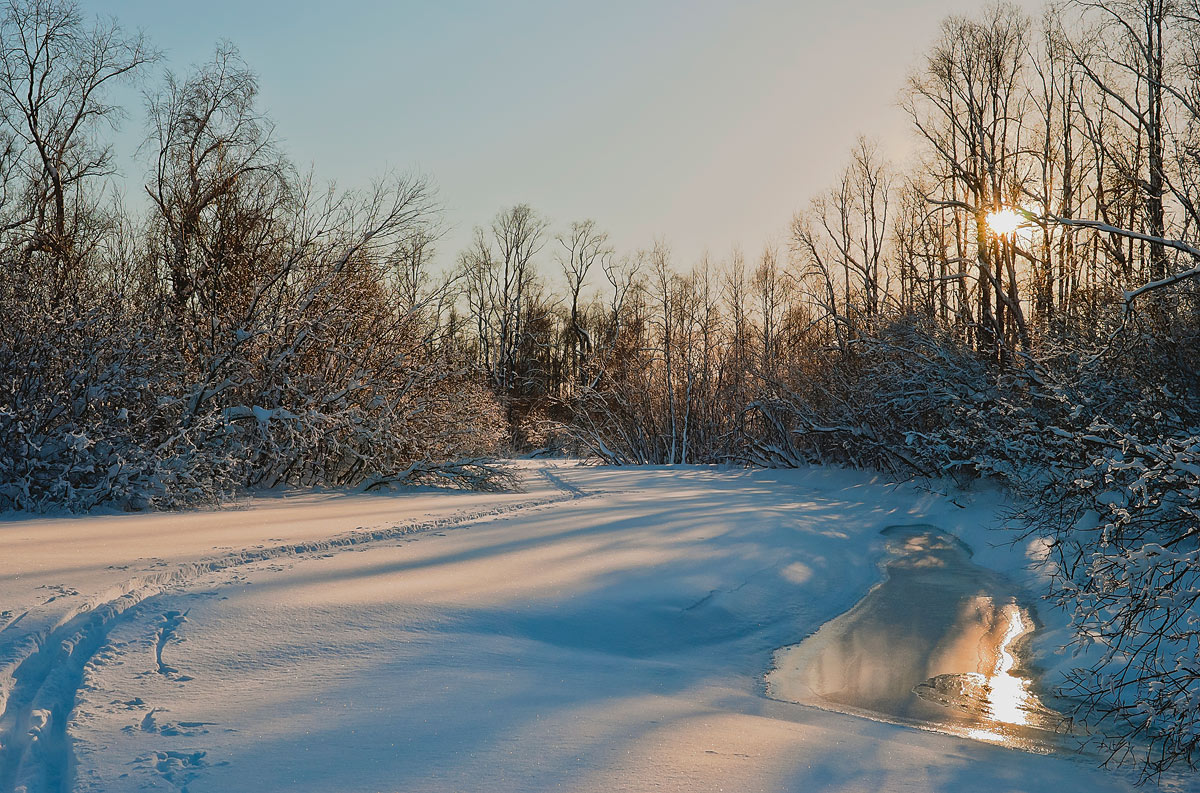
{"x": 212, "y": 143}
{"x": 499, "y": 279}
{"x": 1133, "y": 78}
{"x": 842, "y": 244}
{"x": 968, "y": 104}
{"x": 664, "y": 288}
{"x": 54, "y": 73}
{"x": 582, "y": 247}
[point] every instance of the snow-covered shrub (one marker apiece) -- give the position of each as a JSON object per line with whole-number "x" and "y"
{"x": 331, "y": 375}
{"x": 1125, "y": 529}
{"x": 308, "y": 370}
{"x": 621, "y": 420}
{"x": 89, "y": 415}
{"x": 907, "y": 399}
{"x": 538, "y": 435}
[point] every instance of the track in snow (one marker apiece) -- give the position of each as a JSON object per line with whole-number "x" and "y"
{"x": 41, "y": 672}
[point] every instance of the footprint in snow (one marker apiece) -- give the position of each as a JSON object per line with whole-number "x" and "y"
{"x": 178, "y": 768}
{"x": 151, "y": 724}
{"x": 129, "y": 704}
{"x": 60, "y": 591}
{"x": 168, "y": 624}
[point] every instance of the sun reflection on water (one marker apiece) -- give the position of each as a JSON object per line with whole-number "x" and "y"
{"x": 1002, "y": 697}
{"x": 1008, "y": 697}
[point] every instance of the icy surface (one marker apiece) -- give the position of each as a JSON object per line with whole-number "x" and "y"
{"x": 938, "y": 644}
{"x": 608, "y": 629}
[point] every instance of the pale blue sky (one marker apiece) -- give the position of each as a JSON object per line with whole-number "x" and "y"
{"x": 706, "y": 123}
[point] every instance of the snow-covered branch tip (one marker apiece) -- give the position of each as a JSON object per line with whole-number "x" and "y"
{"x": 1133, "y": 294}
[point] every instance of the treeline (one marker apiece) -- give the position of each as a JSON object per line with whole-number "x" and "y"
{"x": 1068, "y": 128}
{"x": 252, "y": 329}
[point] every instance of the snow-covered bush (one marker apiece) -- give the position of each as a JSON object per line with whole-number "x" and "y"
{"x": 88, "y": 411}
{"x": 908, "y": 399}
{"x": 1124, "y": 524}
{"x": 314, "y": 372}
{"x": 328, "y": 376}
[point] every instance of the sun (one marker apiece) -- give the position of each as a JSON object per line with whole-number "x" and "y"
{"x": 1004, "y": 221}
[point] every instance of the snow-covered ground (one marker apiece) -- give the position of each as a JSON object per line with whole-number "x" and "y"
{"x": 607, "y": 629}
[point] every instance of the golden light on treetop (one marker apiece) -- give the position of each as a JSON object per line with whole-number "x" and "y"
{"x": 1004, "y": 221}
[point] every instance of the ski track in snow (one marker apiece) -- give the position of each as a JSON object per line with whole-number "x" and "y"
{"x": 41, "y": 671}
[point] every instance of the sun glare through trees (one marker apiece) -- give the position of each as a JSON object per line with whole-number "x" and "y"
{"x": 1004, "y": 221}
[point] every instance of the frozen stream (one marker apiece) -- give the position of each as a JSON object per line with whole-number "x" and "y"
{"x": 940, "y": 643}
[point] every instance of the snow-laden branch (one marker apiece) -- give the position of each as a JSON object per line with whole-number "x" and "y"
{"x": 1096, "y": 225}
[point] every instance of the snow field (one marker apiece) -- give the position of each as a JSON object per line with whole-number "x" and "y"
{"x": 607, "y": 630}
